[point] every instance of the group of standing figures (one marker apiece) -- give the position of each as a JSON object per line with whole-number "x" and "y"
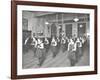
{"x": 41, "y": 46}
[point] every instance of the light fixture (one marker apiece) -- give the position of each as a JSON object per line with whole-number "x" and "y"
{"x": 81, "y": 26}
{"x": 59, "y": 27}
{"x": 46, "y": 23}
{"x": 88, "y": 34}
{"x": 76, "y": 19}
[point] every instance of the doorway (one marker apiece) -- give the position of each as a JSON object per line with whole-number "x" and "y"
{"x": 53, "y": 30}
{"x": 68, "y": 30}
{"x": 81, "y": 29}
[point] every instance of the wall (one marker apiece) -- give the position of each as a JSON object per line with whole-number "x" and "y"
{"x": 28, "y": 16}
{"x": 5, "y": 41}
{"x": 74, "y": 30}
{"x": 31, "y": 20}
{"x": 37, "y": 19}
{"x": 34, "y": 22}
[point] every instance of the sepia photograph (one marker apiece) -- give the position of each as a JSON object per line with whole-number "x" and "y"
{"x": 53, "y": 39}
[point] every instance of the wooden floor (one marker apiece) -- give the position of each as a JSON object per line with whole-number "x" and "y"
{"x": 61, "y": 60}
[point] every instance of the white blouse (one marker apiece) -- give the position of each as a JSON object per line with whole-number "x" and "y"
{"x": 53, "y": 42}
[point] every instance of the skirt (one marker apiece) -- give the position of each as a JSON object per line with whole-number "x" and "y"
{"x": 41, "y": 55}
{"x": 54, "y": 50}
{"x": 63, "y": 47}
{"x": 78, "y": 53}
{"x": 72, "y": 57}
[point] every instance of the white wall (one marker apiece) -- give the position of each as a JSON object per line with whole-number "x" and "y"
{"x": 29, "y": 17}
{"x": 5, "y": 40}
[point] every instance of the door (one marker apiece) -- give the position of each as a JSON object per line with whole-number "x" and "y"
{"x": 81, "y": 29}
{"x": 53, "y": 30}
{"x": 68, "y": 30}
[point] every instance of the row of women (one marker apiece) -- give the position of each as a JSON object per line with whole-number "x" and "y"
{"x": 41, "y": 46}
